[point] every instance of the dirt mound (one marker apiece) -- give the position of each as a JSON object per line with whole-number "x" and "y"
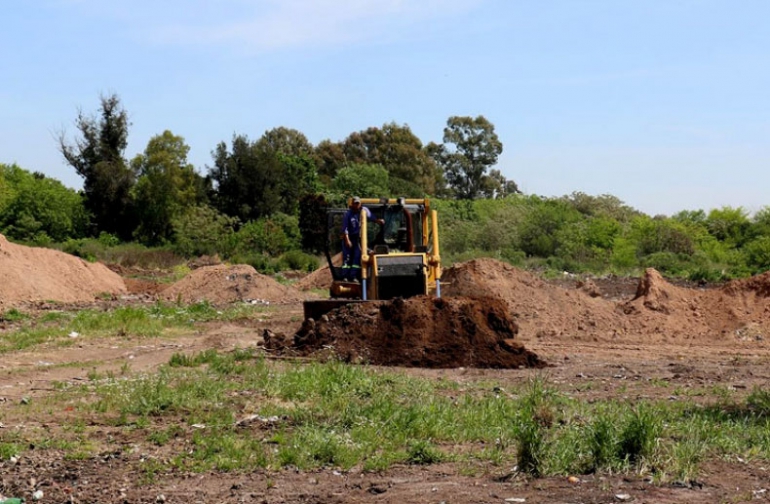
{"x": 658, "y": 312}
{"x": 541, "y": 310}
{"x": 221, "y": 284}
{"x": 418, "y": 332}
{"x": 29, "y": 274}
{"x": 321, "y": 278}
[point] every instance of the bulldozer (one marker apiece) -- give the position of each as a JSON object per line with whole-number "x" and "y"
{"x": 399, "y": 258}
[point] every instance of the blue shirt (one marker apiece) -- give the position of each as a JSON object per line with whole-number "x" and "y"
{"x": 351, "y": 224}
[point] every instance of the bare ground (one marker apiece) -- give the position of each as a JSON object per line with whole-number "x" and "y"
{"x": 602, "y": 341}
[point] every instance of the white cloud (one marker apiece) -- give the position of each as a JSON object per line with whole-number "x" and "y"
{"x": 263, "y": 25}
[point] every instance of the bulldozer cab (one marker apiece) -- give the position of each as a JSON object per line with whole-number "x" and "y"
{"x": 399, "y": 257}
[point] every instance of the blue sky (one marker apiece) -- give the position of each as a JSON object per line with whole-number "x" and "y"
{"x": 662, "y": 103}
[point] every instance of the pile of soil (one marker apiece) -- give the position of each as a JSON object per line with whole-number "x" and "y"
{"x": 658, "y": 312}
{"x": 417, "y": 332}
{"x": 321, "y": 278}
{"x": 221, "y": 284}
{"x": 732, "y": 311}
{"x": 32, "y": 274}
{"x": 540, "y": 309}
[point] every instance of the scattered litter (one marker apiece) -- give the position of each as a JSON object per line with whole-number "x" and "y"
{"x": 74, "y": 334}
{"x": 515, "y": 499}
{"x": 198, "y": 426}
{"x": 574, "y": 480}
{"x": 37, "y": 495}
{"x": 623, "y": 497}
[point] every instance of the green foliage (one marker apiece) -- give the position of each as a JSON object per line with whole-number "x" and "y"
{"x": 411, "y": 171}
{"x": 729, "y": 225}
{"x": 299, "y": 261}
{"x": 257, "y": 179}
{"x": 470, "y": 148}
{"x": 268, "y": 235}
{"x": 603, "y": 441}
{"x": 167, "y": 187}
{"x": 639, "y": 436}
{"x": 539, "y": 232}
{"x": 367, "y": 181}
{"x": 38, "y": 209}
{"x": 757, "y": 254}
{"x": 97, "y": 156}
{"x": 312, "y": 222}
{"x": 203, "y": 230}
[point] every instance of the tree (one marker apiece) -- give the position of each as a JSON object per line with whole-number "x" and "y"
{"x": 329, "y": 158}
{"x": 470, "y": 148}
{"x": 97, "y": 156}
{"x": 729, "y": 225}
{"x": 246, "y": 187}
{"x": 367, "y": 181}
{"x": 400, "y": 152}
{"x": 167, "y": 186}
{"x": 299, "y": 179}
{"x": 259, "y": 178}
{"x": 202, "y": 230}
{"x": 38, "y": 208}
{"x": 495, "y": 186}
{"x": 287, "y": 141}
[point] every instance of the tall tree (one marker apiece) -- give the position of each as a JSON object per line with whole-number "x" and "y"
{"x": 470, "y": 148}
{"x": 259, "y": 178}
{"x": 245, "y": 185}
{"x": 167, "y": 186}
{"x": 400, "y": 152}
{"x": 287, "y": 141}
{"x": 329, "y": 158}
{"x": 97, "y": 156}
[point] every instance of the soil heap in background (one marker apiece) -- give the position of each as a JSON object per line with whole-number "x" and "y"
{"x": 221, "y": 284}
{"x": 321, "y": 278}
{"x": 31, "y": 274}
{"x": 540, "y": 309}
{"x": 658, "y": 312}
{"x": 417, "y": 332}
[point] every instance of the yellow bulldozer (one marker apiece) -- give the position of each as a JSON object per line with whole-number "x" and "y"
{"x": 399, "y": 258}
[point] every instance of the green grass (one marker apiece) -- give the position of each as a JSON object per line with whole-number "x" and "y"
{"x": 313, "y": 415}
{"x": 129, "y": 321}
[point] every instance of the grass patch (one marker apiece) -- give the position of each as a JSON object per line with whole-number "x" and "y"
{"x": 128, "y": 321}
{"x": 236, "y": 411}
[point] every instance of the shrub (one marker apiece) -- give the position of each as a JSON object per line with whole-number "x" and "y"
{"x": 299, "y": 261}
{"x": 203, "y": 230}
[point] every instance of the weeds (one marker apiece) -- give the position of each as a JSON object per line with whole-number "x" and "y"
{"x": 639, "y": 436}
{"x": 235, "y": 411}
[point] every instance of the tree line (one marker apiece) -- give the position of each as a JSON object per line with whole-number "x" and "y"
{"x": 250, "y": 179}
{"x": 245, "y": 206}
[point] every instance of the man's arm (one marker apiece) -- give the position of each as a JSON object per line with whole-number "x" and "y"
{"x": 369, "y": 217}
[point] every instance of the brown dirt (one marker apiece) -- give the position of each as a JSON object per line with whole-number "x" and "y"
{"x": 604, "y": 340}
{"x": 32, "y": 274}
{"x": 221, "y": 284}
{"x": 321, "y": 278}
{"x": 659, "y": 311}
{"x": 417, "y": 332}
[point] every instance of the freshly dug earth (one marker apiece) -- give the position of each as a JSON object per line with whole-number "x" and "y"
{"x": 31, "y": 274}
{"x": 418, "y": 332}
{"x": 658, "y": 312}
{"x": 220, "y": 284}
{"x": 540, "y": 309}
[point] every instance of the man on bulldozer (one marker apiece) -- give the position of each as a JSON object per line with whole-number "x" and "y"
{"x": 351, "y": 239}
